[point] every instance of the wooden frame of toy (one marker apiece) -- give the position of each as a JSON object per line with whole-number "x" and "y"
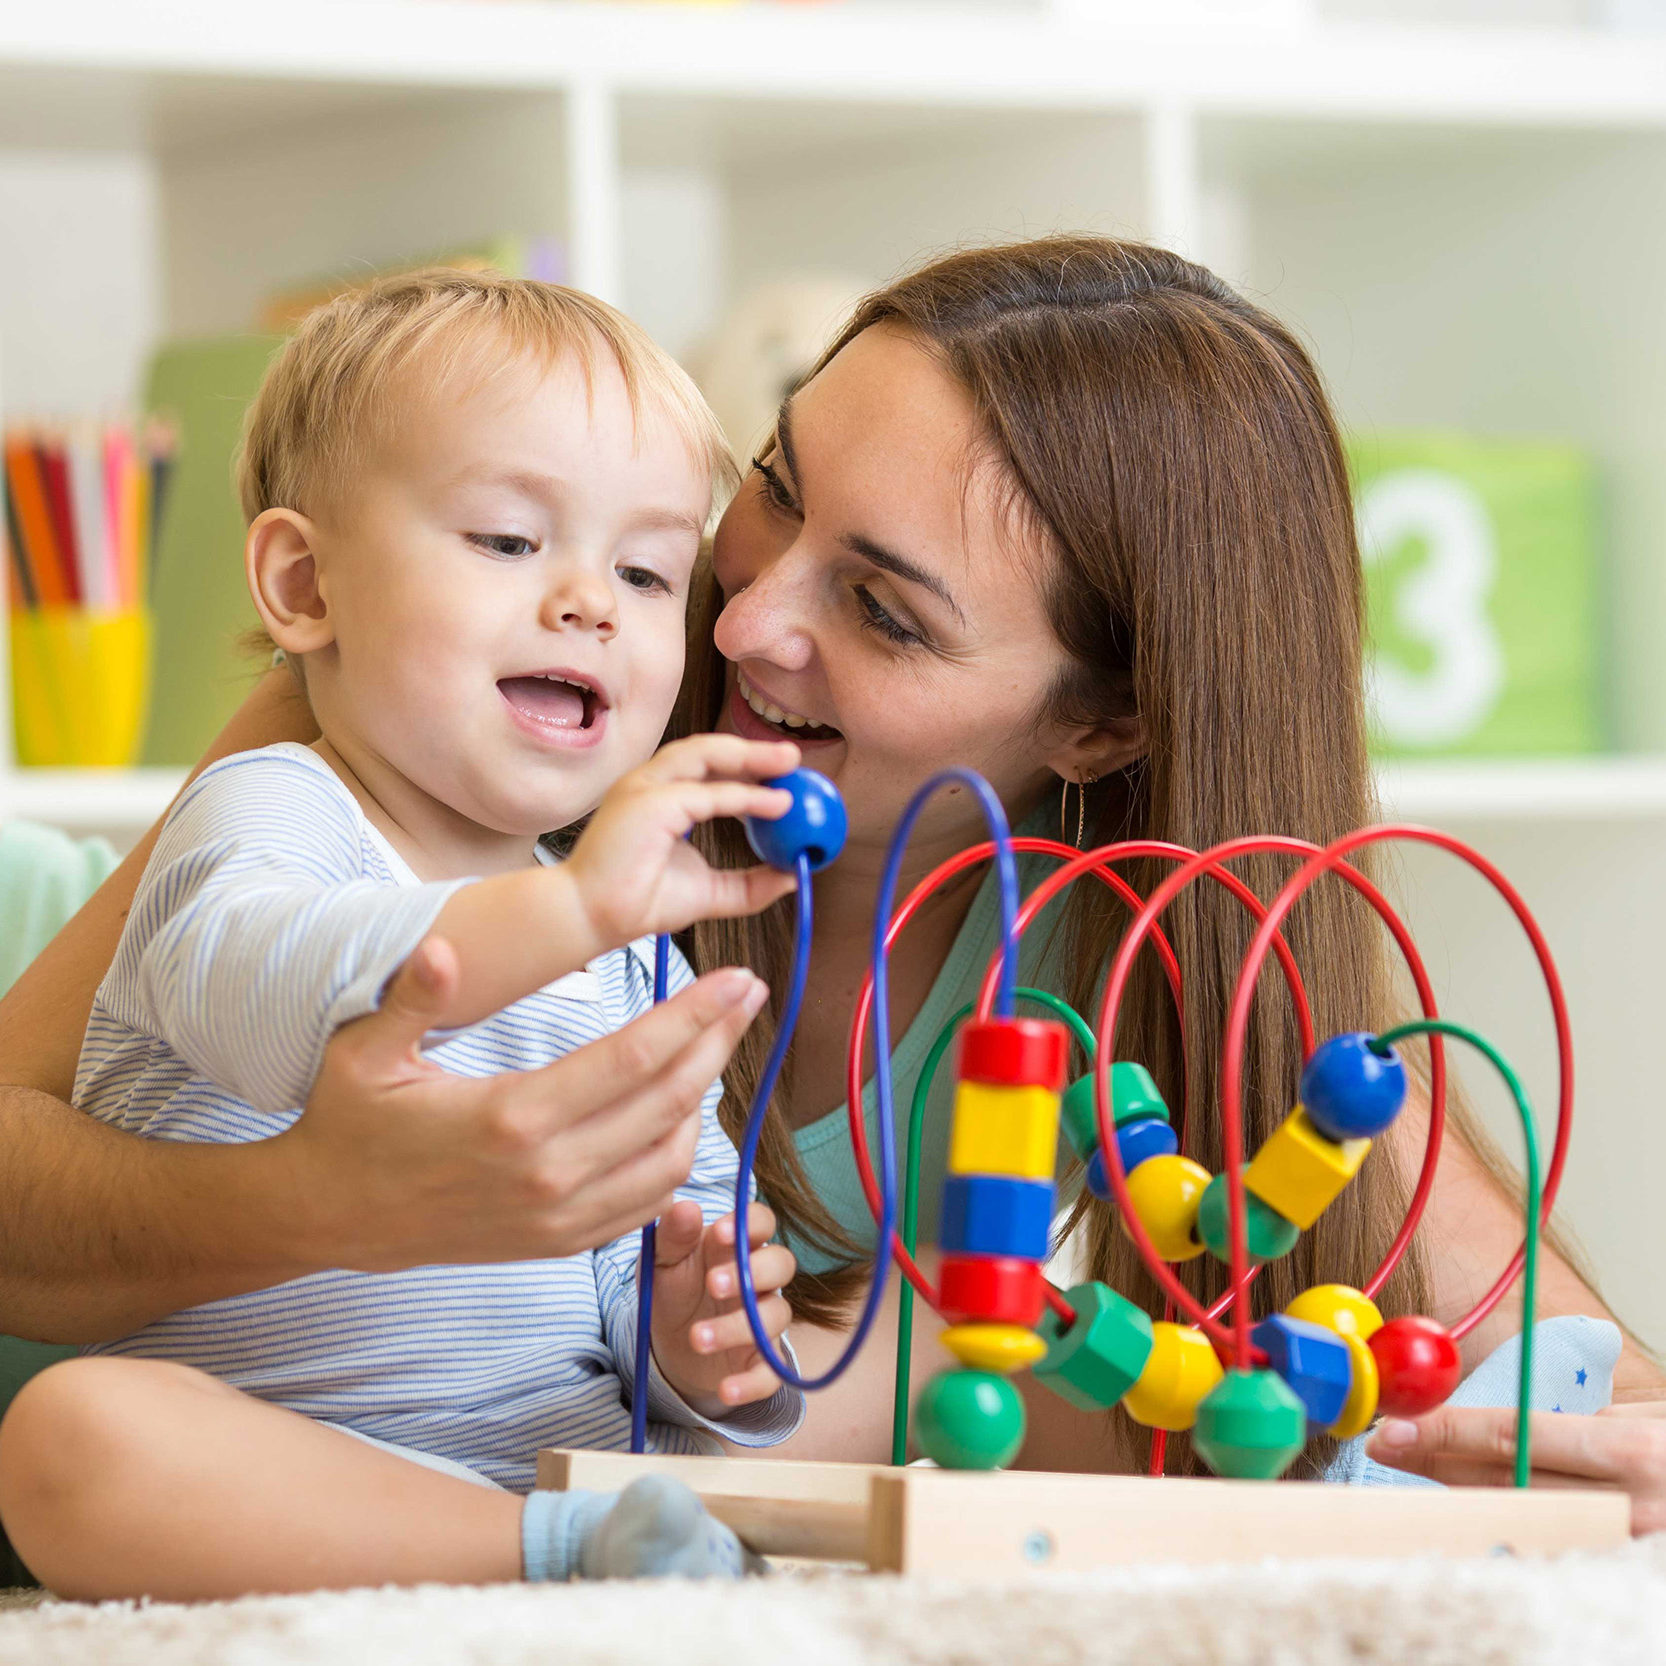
{"x": 1248, "y": 1390}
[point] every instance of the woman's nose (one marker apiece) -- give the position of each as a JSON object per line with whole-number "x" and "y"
{"x": 767, "y": 618}
{"x": 580, "y": 599}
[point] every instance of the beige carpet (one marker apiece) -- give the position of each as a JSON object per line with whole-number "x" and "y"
{"x": 1570, "y": 1612}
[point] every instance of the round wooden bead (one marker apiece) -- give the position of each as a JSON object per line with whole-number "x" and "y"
{"x": 1312, "y": 1360}
{"x": 969, "y": 1420}
{"x": 1349, "y": 1090}
{"x": 993, "y": 1289}
{"x": 1136, "y": 1143}
{"x": 1417, "y": 1366}
{"x": 1002, "y": 1348}
{"x": 815, "y": 825}
{"x": 1015, "y": 1052}
{"x": 1180, "y": 1372}
{"x": 1268, "y": 1233}
{"x": 1338, "y": 1307}
{"x": 1134, "y": 1096}
{"x": 1250, "y": 1426}
{"x": 1165, "y": 1193}
{"x": 1100, "y": 1357}
{"x": 1360, "y": 1409}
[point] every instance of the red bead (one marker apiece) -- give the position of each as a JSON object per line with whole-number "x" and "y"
{"x": 996, "y": 1289}
{"x": 1015, "y": 1052}
{"x": 1418, "y": 1366}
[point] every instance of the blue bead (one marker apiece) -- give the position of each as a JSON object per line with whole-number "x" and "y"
{"x": 1312, "y": 1360}
{"x": 994, "y": 1214}
{"x": 813, "y": 827}
{"x": 1351, "y": 1092}
{"x": 1135, "y": 1143}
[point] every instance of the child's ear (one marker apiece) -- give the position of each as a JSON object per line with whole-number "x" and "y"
{"x": 1090, "y": 754}
{"x": 281, "y": 563}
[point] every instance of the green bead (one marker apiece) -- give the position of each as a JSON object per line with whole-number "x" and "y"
{"x": 1133, "y": 1095}
{"x": 969, "y": 1420}
{"x": 1268, "y": 1234}
{"x": 1250, "y": 1426}
{"x": 1094, "y": 1363}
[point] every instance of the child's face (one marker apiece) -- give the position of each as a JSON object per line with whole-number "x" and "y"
{"x": 506, "y": 588}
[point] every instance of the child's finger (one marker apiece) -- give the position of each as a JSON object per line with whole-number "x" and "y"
{"x": 710, "y": 800}
{"x": 772, "y": 1269}
{"x": 733, "y": 893}
{"x": 702, "y": 757}
{"x": 747, "y": 1387}
{"x": 760, "y": 1224}
{"x": 680, "y": 1230}
{"x": 730, "y": 1330}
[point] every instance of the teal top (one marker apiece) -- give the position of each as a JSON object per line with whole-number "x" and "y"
{"x": 824, "y": 1145}
{"x": 45, "y": 876}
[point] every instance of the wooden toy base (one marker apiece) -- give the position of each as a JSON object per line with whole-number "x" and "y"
{"x": 938, "y": 1521}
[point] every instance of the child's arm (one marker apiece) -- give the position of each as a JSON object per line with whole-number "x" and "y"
{"x": 631, "y": 874}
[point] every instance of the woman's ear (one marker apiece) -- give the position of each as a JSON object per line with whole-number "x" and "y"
{"x": 281, "y": 562}
{"x": 1089, "y": 754}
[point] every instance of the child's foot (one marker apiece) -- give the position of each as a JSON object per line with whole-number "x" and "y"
{"x": 658, "y": 1528}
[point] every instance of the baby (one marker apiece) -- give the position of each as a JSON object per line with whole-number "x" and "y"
{"x": 475, "y": 505}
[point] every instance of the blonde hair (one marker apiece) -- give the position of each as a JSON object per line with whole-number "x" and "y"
{"x": 328, "y": 395}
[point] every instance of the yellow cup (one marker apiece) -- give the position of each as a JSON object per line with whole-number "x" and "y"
{"x": 80, "y": 686}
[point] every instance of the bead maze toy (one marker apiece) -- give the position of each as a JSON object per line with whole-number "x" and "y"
{"x": 1249, "y": 1390}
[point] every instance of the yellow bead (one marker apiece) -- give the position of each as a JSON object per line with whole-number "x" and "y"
{"x": 1004, "y": 1130}
{"x": 1181, "y": 1371}
{"x": 1299, "y": 1172}
{"x": 1166, "y": 1193}
{"x": 994, "y": 1347}
{"x": 1361, "y": 1405}
{"x": 1338, "y": 1307}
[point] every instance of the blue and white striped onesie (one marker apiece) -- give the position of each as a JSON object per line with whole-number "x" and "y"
{"x": 270, "y": 914}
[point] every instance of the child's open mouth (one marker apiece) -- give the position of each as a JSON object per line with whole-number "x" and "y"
{"x": 554, "y": 700}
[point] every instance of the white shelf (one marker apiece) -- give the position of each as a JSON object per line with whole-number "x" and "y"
{"x": 112, "y": 801}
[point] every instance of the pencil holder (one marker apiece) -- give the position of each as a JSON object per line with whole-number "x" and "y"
{"x": 80, "y": 686}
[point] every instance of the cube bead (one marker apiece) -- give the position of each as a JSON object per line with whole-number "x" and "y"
{"x": 1015, "y": 1052}
{"x": 1250, "y": 1426}
{"x": 1338, "y": 1307}
{"x": 1180, "y": 1372}
{"x": 1417, "y": 1366}
{"x": 990, "y": 1289}
{"x": 1133, "y": 1096}
{"x": 1360, "y": 1410}
{"x": 1350, "y": 1090}
{"x": 993, "y": 1214}
{"x": 1000, "y": 1348}
{"x": 1100, "y": 1357}
{"x": 1004, "y": 1130}
{"x": 1136, "y": 1143}
{"x": 1312, "y": 1360}
{"x": 969, "y": 1420}
{"x": 1165, "y": 1193}
{"x": 1299, "y": 1172}
{"x": 1268, "y": 1233}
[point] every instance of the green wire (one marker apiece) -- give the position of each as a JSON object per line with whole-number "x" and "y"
{"x": 1530, "y": 1261}
{"x": 911, "y": 1188}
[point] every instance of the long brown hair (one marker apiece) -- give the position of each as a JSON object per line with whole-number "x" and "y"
{"x": 1174, "y": 448}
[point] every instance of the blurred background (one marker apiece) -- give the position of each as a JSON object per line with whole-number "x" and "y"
{"x": 1457, "y": 202}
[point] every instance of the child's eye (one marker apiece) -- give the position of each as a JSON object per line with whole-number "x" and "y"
{"x": 507, "y": 546}
{"x": 646, "y": 580}
{"x": 775, "y": 488}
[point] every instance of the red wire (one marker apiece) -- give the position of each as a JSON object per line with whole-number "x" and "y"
{"x": 1332, "y": 859}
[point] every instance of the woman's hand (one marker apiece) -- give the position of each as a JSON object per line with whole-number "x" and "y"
{"x": 701, "y": 1339}
{"x": 1622, "y": 1447}
{"x": 634, "y": 871}
{"x": 396, "y": 1163}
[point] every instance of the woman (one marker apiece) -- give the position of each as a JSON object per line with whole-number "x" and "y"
{"x": 1071, "y": 513}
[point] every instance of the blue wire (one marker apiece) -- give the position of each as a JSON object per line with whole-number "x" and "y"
{"x": 645, "y": 1260}
{"x": 1006, "y": 868}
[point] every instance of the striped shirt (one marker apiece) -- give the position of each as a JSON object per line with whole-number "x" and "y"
{"x": 271, "y": 913}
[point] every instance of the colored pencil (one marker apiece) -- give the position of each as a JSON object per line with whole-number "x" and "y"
{"x": 86, "y": 478}
{"x": 28, "y": 495}
{"x": 22, "y": 581}
{"x": 54, "y": 471}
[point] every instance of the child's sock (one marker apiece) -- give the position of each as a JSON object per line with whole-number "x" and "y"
{"x": 656, "y": 1526}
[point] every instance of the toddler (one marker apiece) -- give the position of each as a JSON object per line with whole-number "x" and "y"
{"x": 475, "y": 505}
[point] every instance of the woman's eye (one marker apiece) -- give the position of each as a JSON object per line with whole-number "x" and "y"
{"x": 507, "y": 546}
{"x": 774, "y": 487}
{"x": 646, "y": 580}
{"x": 875, "y": 618}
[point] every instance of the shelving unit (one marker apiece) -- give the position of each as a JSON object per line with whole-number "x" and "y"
{"x": 1447, "y": 213}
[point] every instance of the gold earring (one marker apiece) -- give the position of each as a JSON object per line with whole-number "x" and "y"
{"x": 1087, "y": 780}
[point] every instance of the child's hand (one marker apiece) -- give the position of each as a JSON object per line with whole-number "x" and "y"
{"x": 701, "y": 1339}
{"x": 634, "y": 871}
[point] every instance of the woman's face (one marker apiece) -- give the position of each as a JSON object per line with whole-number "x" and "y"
{"x": 878, "y": 588}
